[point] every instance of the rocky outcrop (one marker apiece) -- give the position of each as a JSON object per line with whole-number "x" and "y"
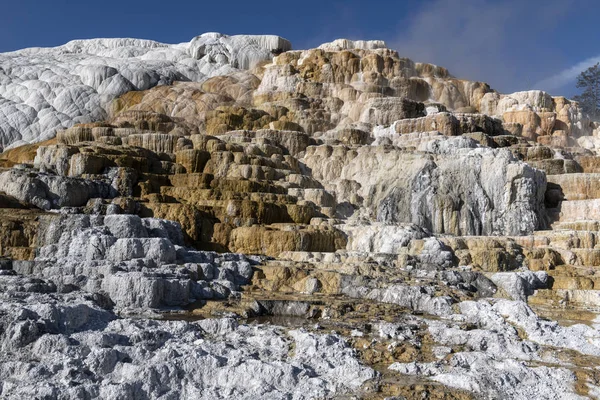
{"x": 538, "y": 116}
{"x": 48, "y": 191}
{"x": 256, "y": 222}
{"x": 136, "y": 263}
{"x": 47, "y": 89}
{"x": 450, "y": 188}
{"x": 492, "y": 371}
{"x": 102, "y": 356}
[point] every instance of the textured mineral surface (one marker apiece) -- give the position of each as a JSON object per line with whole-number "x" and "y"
{"x": 231, "y": 218}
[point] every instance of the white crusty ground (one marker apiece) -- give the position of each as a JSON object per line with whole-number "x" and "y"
{"x": 43, "y": 90}
{"x": 64, "y": 347}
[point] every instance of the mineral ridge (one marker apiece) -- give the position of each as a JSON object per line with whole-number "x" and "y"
{"x": 231, "y": 218}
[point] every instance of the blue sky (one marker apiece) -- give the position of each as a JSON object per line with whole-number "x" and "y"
{"x": 511, "y": 44}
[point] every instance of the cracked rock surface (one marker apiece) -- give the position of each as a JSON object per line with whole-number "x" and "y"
{"x": 231, "y": 218}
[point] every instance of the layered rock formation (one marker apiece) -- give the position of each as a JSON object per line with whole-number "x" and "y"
{"x": 269, "y": 223}
{"x": 47, "y": 89}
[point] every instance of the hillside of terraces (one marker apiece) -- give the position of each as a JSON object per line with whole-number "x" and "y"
{"x": 338, "y": 222}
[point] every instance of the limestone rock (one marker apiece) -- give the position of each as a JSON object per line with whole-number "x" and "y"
{"x": 50, "y": 191}
{"x": 384, "y": 111}
{"x": 74, "y": 83}
{"x": 342, "y": 189}
{"x": 68, "y": 334}
{"x": 444, "y": 123}
{"x": 408, "y": 195}
{"x": 133, "y": 261}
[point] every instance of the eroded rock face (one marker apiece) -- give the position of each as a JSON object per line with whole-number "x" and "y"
{"x": 255, "y": 222}
{"x": 93, "y": 354}
{"x": 48, "y": 89}
{"x": 48, "y": 191}
{"x": 450, "y": 188}
{"x": 492, "y": 370}
{"x": 136, "y": 263}
{"x": 538, "y": 116}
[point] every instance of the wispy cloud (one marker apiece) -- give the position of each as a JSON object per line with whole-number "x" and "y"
{"x": 453, "y": 33}
{"x": 497, "y": 42}
{"x": 566, "y": 76}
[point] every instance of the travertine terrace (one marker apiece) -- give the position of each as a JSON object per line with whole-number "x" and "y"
{"x": 231, "y": 218}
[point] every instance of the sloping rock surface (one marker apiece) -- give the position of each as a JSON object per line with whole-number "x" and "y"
{"x": 43, "y": 90}
{"x": 230, "y": 218}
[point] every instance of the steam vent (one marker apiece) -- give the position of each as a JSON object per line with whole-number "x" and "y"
{"x": 229, "y": 218}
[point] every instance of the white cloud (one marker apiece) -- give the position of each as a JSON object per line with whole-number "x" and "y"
{"x": 566, "y": 76}
{"x": 503, "y": 43}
